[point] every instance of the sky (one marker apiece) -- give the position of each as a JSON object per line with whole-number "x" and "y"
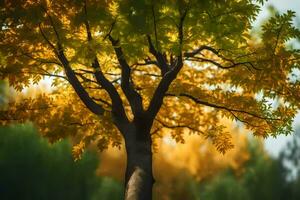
{"x": 275, "y": 145}
{"x": 280, "y": 5}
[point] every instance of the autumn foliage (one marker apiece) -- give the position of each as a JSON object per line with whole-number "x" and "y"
{"x": 133, "y": 69}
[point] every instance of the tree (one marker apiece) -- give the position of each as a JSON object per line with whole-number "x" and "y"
{"x": 140, "y": 67}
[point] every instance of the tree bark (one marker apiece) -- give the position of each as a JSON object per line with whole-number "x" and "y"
{"x": 139, "y": 177}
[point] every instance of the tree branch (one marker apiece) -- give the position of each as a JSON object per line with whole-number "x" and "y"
{"x": 165, "y": 125}
{"x": 198, "y": 101}
{"x": 161, "y": 60}
{"x": 73, "y": 80}
{"x": 154, "y": 23}
{"x": 199, "y": 50}
{"x": 46, "y": 73}
{"x": 46, "y": 39}
{"x": 192, "y": 57}
{"x": 163, "y": 86}
{"x": 117, "y": 104}
{"x": 233, "y": 65}
{"x": 40, "y": 60}
{"x": 102, "y": 101}
{"x": 85, "y": 79}
{"x": 133, "y": 97}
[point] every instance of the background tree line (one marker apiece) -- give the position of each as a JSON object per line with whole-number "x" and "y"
{"x": 31, "y": 168}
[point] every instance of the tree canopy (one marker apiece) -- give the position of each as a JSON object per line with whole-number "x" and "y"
{"x": 186, "y": 63}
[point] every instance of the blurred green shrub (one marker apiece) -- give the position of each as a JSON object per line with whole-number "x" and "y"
{"x": 33, "y": 169}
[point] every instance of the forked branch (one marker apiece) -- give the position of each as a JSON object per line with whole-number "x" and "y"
{"x": 73, "y": 80}
{"x": 169, "y": 76}
{"x": 117, "y": 104}
{"x": 133, "y": 97}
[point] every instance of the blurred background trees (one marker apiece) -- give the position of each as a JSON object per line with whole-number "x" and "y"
{"x": 264, "y": 177}
{"x": 31, "y": 168}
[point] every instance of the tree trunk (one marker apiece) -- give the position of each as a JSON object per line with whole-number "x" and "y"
{"x": 139, "y": 177}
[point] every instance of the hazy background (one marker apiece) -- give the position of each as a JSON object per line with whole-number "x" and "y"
{"x": 274, "y": 145}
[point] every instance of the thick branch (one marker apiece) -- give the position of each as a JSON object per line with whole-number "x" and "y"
{"x": 161, "y": 59}
{"x": 168, "y": 78}
{"x": 133, "y": 97}
{"x": 73, "y": 80}
{"x": 117, "y": 104}
{"x": 161, "y": 89}
{"x": 81, "y": 92}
